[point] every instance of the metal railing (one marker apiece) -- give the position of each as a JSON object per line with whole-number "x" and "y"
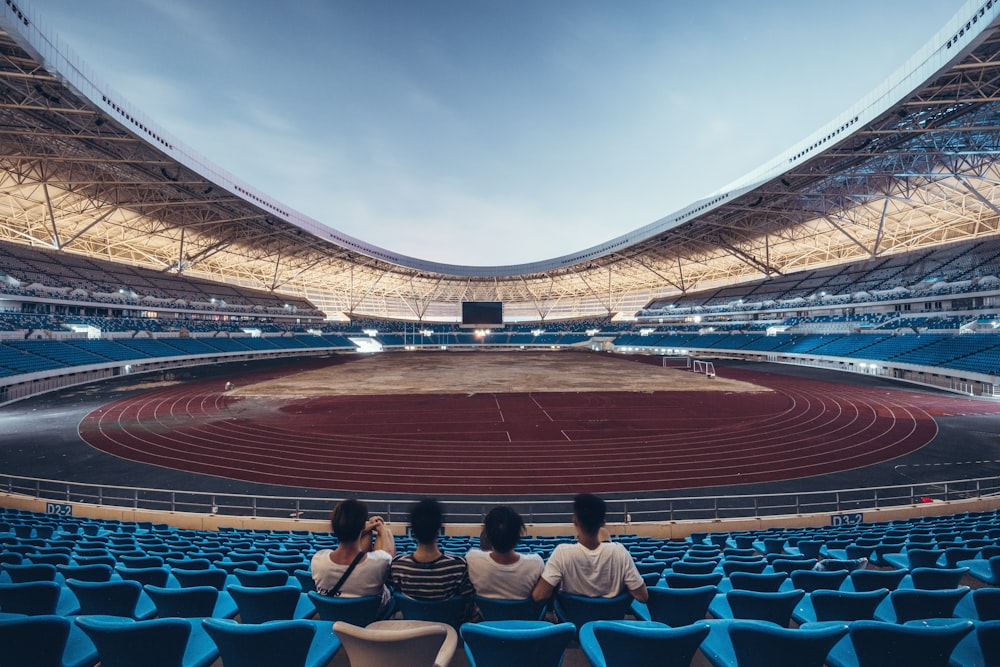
{"x": 646, "y": 509}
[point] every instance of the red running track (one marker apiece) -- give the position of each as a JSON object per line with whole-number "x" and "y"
{"x": 523, "y": 443}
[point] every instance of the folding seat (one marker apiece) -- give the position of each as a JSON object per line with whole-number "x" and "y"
{"x": 985, "y": 570}
{"x": 141, "y": 561}
{"x": 261, "y": 578}
{"x": 638, "y": 643}
{"x": 94, "y": 572}
{"x": 824, "y": 605}
{"x": 729, "y": 566}
{"x": 160, "y": 642}
{"x": 45, "y": 640}
{"x": 112, "y": 598}
{"x": 214, "y": 577}
{"x": 877, "y": 644}
{"x": 754, "y": 605}
{"x": 524, "y": 643}
{"x": 679, "y": 580}
{"x": 231, "y": 566}
{"x": 193, "y": 602}
{"x": 788, "y": 566}
{"x": 272, "y": 603}
{"x": 869, "y": 580}
{"x": 747, "y": 581}
{"x": 157, "y": 576}
{"x": 29, "y": 572}
{"x": 296, "y": 643}
{"x": 675, "y": 606}
{"x": 953, "y": 555}
{"x": 743, "y": 643}
{"x": 912, "y": 558}
{"x": 807, "y": 548}
{"x": 935, "y": 577}
{"x": 188, "y": 563}
{"x": 304, "y": 580}
{"x": 690, "y": 567}
{"x": 31, "y": 598}
{"x": 912, "y": 604}
{"x": 50, "y": 559}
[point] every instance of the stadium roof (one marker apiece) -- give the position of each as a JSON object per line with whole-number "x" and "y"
{"x": 910, "y": 166}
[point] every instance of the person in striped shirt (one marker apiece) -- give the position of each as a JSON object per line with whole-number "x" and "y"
{"x": 428, "y": 573}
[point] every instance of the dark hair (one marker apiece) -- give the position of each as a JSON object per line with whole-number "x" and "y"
{"x": 503, "y": 528}
{"x": 348, "y": 519}
{"x": 426, "y": 518}
{"x": 589, "y": 512}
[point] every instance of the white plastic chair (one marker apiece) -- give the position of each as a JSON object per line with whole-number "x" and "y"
{"x": 398, "y": 643}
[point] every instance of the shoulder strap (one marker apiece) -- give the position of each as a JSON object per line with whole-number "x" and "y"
{"x": 335, "y": 591}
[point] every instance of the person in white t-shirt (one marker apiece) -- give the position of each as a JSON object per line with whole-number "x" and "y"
{"x": 502, "y": 572}
{"x": 353, "y": 527}
{"x": 589, "y": 566}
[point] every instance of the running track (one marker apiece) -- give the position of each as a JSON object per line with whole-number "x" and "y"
{"x": 523, "y": 443}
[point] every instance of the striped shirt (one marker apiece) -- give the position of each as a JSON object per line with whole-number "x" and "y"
{"x": 440, "y": 579}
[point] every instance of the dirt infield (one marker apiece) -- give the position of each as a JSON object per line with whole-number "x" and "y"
{"x": 488, "y": 372}
{"x": 455, "y": 424}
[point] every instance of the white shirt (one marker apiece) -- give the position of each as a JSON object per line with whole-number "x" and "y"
{"x": 605, "y": 571}
{"x": 507, "y": 582}
{"x": 368, "y": 578}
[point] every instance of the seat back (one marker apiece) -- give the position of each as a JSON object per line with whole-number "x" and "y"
{"x": 765, "y": 583}
{"x": 987, "y": 603}
{"x": 93, "y": 572}
{"x": 30, "y": 572}
{"x": 935, "y": 578}
{"x": 630, "y": 643}
{"x": 109, "y": 598}
{"x": 522, "y": 643}
{"x": 814, "y": 580}
{"x": 919, "y": 557}
{"x": 730, "y": 567}
{"x": 305, "y": 579}
{"x": 763, "y": 645}
{"x": 911, "y": 604}
{"x": 357, "y": 611}
{"x": 879, "y": 644}
{"x": 275, "y": 643}
{"x": 988, "y": 637}
{"x": 157, "y": 576}
{"x": 192, "y": 602}
{"x": 261, "y": 578}
{"x": 450, "y": 611}
{"x": 681, "y": 580}
{"x": 679, "y": 606}
{"x": 214, "y": 577}
{"x": 495, "y": 609}
{"x": 870, "y": 580}
{"x": 846, "y": 605}
{"x": 32, "y": 598}
{"x": 401, "y": 644}
{"x": 259, "y": 605}
{"x": 774, "y": 607}
{"x": 581, "y": 609}
{"x": 693, "y": 567}
{"x": 122, "y": 642}
{"x": 33, "y": 640}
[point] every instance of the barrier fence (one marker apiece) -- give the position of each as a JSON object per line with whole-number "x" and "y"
{"x": 620, "y": 510}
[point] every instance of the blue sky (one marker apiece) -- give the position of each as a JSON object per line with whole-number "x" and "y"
{"x": 490, "y": 132}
